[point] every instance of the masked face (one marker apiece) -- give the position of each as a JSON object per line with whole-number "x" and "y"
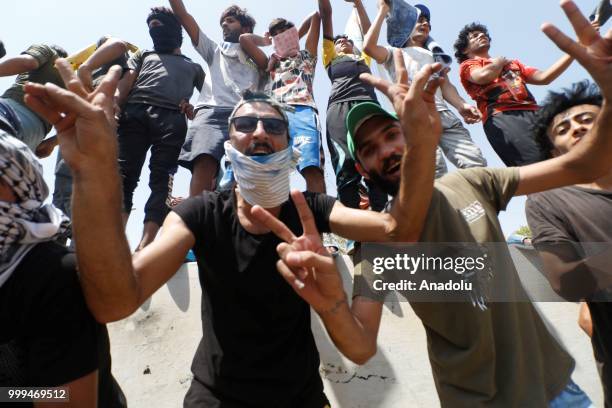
{"x": 165, "y": 38}
{"x": 286, "y": 43}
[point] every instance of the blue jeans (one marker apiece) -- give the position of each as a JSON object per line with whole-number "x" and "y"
{"x": 571, "y": 397}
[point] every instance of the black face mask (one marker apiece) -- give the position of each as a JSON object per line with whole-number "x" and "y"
{"x": 166, "y": 39}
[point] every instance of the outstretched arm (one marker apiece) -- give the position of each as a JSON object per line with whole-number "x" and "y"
{"x": 112, "y": 49}
{"x": 113, "y": 285}
{"x": 362, "y": 15}
{"x": 552, "y": 73}
{"x": 325, "y": 11}
{"x": 314, "y": 32}
{"x": 591, "y": 158}
{"x": 18, "y": 65}
{"x": 370, "y": 41}
{"x": 187, "y": 20}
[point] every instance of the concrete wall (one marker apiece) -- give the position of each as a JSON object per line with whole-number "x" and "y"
{"x": 152, "y": 352}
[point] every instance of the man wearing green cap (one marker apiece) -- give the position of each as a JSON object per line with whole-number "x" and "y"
{"x": 499, "y": 355}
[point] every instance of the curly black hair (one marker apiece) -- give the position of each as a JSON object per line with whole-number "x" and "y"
{"x": 240, "y": 14}
{"x": 580, "y": 93}
{"x": 462, "y": 40}
{"x": 279, "y": 24}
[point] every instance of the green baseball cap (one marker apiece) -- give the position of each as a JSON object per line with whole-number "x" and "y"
{"x": 360, "y": 114}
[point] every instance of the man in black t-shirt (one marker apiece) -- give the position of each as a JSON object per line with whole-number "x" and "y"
{"x": 257, "y": 348}
{"x": 48, "y": 337}
{"x": 572, "y": 226}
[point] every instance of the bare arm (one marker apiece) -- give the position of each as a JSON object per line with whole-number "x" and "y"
{"x": 305, "y": 25}
{"x": 187, "y": 20}
{"x": 314, "y": 32}
{"x": 362, "y": 15}
{"x": 469, "y": 113}
{"x": 18, "y": 65}
{"x": 488, "y": 74}
{"x": 325, "y": 11}
{"x": 125, "y": 86}
{"x": 83, "y": 393}
{"x": 250, "y": 44}
{"x": 370, "y": 41}
{"x": 552, "y": 73}
{"x": 112, "y": 49}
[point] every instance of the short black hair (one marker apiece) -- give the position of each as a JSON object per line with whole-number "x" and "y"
{"x": 240, "y": 14}
{"x": 462, "y": 40}
{"x": 579, "y": 93}
{"x": 279, "y": 24}
{"x": 59, "y": 50}
{"x": 339, "y": 36}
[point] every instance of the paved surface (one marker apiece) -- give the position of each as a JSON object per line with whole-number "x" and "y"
{"x": 152, "y": 352}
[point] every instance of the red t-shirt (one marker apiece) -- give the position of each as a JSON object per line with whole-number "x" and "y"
{"x": 507, "y": 92}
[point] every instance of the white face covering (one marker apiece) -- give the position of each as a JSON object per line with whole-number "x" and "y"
{"x": 263, "y": 180}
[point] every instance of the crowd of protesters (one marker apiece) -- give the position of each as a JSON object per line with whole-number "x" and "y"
{"x": 258, "y": 247}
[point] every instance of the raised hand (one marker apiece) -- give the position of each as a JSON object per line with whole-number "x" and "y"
{"x": 413, "y": 102}
{"x": 84, "y": 121}
{"x": 593, "y": 51}
{"x": 304, "y": 262}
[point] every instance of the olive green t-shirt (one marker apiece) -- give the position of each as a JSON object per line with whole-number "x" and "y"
{"x": 46, "y": 72}
{"x": 502, "y": 356}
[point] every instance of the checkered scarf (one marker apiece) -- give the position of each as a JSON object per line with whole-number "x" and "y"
{"x": 28, "y": 221}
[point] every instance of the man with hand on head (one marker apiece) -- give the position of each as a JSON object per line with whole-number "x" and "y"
{"x": 490, "y": 356}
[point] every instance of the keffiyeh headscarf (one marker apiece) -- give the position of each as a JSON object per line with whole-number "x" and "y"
{"x": 28, "y": 221}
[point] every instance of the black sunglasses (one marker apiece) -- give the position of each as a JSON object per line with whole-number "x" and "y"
{"x": 248, "y": 124}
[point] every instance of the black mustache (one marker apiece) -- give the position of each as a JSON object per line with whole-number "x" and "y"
{"x": 391, "y": 161}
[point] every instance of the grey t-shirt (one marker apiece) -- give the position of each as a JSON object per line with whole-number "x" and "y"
{"x": 230, "y": 72}
{"x": 164, "y": 80}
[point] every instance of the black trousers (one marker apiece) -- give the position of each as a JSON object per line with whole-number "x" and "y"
{"x": 347, "y": 176}
{"x": 511, "y": 137}
{"x": 143, "y": 127}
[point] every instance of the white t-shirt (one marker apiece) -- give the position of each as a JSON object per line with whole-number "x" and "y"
{"x": 229, "y": 72}
{"x": 415, "y": 58}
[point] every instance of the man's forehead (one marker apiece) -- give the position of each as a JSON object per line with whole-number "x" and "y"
{"x": 259, "y": 108}
{"x": 574, "y": 111}
{"x": 373, "y": 128}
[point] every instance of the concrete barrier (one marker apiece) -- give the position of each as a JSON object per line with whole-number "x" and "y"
{"x": 152, "y": 352}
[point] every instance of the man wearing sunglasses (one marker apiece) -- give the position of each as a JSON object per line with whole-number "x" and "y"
{"x": 257, "y": 347}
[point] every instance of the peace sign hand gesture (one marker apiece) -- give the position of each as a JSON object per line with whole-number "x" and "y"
{"x": 593, "y": 51}
{"x": 304, "y": 262}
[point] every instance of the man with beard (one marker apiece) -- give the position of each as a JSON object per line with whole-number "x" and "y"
{"x": 154, "y": 96}
{"x": 245, "y": 302}
{"x": 456, "y": 142}
{"x": 231, "y": 72}
{"x": 502, "y": 354}
{"x": 571, "y": 226}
